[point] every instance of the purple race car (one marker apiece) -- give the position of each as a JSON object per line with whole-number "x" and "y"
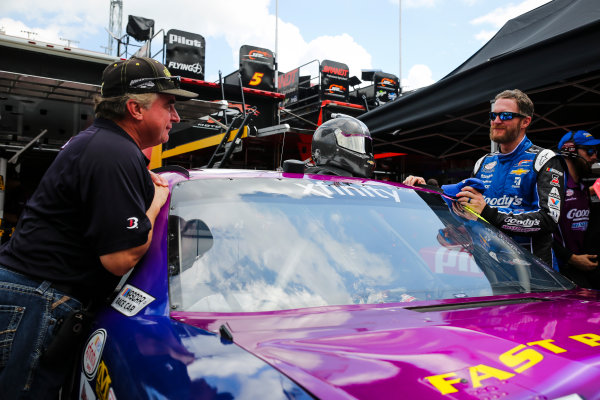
{"x": 288, "y": 286}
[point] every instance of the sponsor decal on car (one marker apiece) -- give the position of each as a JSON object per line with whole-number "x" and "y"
{"x": 442, "y": 260}
{"x": 131, "y": 300}
{"x": 85, "y": 390}
{"x": 93, "y": 352}
{"x": 510, "y": 363}
{"x": 334, "y": 190}
{"x": 104, "y": 388}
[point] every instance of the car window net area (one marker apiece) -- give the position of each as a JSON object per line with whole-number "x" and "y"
{"x": 248, "y": 245}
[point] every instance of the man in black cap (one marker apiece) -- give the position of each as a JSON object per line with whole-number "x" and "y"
{"x": 89, "y": 222}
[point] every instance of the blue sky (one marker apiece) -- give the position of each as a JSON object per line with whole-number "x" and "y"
{"x": 436, "y": 35}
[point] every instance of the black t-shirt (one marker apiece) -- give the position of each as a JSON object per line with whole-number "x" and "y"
{"x": 91, "y": 201}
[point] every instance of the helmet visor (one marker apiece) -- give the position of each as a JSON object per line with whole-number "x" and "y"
{"x": 357, "y": 142}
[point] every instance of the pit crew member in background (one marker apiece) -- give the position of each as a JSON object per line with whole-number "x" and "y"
{"x": 342, "y": 146}
{"x": 88, "y": 223}
{"x": 580, "y": 152}
{"x": 524, "y": 183}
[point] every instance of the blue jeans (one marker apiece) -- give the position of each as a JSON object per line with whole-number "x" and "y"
{"x": 29, "y": 312}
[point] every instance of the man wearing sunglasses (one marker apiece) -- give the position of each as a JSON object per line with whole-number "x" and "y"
{"x": 579, "y": 150}
{"x": 524, "y": 183}
{"x": 88, "y": 223}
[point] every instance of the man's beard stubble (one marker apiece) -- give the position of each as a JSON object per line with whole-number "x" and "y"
{"x": 512, "y": 133}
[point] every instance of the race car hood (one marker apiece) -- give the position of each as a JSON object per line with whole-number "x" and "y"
{"x": 500, "y": 347}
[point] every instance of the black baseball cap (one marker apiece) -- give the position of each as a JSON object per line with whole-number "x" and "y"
{"x": 141, "y": 75}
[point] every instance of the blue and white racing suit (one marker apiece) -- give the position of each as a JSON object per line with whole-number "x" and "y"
{"x": 524, "y": 194}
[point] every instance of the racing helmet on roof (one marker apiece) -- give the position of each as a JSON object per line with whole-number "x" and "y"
{"x": 344, "y": 142}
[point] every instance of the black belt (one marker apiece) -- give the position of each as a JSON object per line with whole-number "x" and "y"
{"x": 70, "y": 290}
{"x": 75, "y": 292}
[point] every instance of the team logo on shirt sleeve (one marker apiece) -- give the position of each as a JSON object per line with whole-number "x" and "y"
{"x": 490, "y": 166}
{"x": 132, "y": 223}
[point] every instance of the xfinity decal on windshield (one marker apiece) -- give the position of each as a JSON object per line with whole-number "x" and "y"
{"x": 334, "y": 190}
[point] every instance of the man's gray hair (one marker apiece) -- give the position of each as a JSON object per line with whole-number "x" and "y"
{"x": 114, "y": 108}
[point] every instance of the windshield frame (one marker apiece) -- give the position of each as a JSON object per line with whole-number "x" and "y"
{"x": 395, "y": 194}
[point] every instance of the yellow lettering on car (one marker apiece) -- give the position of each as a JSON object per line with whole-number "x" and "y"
{"x": 482, "y": 372}
{"x": 519, "y": 355}
{"x": 519, "y": 358}
{"x": 547, "y": 344}
{"x": 443, "y": 384}
{"x": 590, "y": 339}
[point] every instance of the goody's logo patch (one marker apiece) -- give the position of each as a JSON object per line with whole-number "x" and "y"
{"x": 504, "y": 201}
{"x": 131, "y": 300}
{"x": 132, "y": 223}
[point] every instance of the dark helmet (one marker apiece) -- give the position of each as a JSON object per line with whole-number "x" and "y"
{"x": 344, "y": 142}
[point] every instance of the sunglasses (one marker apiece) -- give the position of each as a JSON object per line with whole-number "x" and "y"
{"x": 141, "y": 83}
{"x": 590, "y": 150}
{"x": 505, "y": 115}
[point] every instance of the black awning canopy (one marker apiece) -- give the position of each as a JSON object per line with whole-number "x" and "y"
{"x": 552, "y": 53}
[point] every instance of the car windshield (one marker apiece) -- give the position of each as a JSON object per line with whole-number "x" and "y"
{"x": 249, "y": 245}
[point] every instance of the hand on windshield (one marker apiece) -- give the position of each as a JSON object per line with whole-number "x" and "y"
{"x": 584, "y": 262}
{"x": 460, "y": 211}
{"x": 413, "y": 180}
{"x": 472, "y": 198}
{"x": 159, "y": 180}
